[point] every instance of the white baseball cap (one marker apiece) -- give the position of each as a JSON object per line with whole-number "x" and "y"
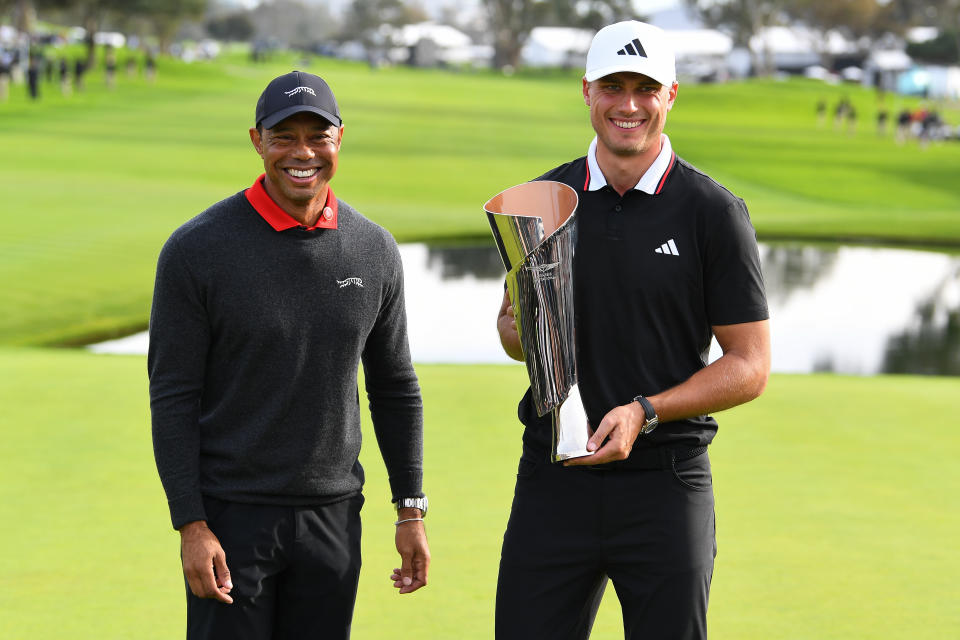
{"x": 631, "y": 46}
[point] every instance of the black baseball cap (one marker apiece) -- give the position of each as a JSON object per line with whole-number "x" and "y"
{"x": 295, "y": 92}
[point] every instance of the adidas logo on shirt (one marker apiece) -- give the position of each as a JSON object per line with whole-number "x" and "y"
{"x": 633, "y": 48}
{"x": 668, "y": 248}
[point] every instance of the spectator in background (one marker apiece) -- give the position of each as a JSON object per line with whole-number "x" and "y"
{"x": 79, "y": 68}
{"x": 840, "y": 113}
{"x": 851, "y": 119}
{"x": 65, "y": 88}
{"x": 931, "y": 127}
{"x": 33, "y": 77}
{"x": 47, "y": 65}
{"x": 903, "y": 125}
{"x": 110, "y": 67}
{"x": 6, "y": 63}
{"x": 151, "y": 67}
{"x": 916, "y": 123}
{"x": 882, "y": 116}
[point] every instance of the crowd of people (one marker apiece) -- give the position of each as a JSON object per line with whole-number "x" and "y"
{"x": 69, "y": 73}
{"x": 924, "y": 123}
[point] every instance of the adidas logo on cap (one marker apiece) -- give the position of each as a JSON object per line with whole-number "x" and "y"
{"x": 632, "y": 48}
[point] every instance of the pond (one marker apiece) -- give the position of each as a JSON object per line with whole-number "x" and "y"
{"x": 833, "y": 308}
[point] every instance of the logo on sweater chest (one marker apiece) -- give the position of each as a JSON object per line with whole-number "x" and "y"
{"x": 357, "y": 282}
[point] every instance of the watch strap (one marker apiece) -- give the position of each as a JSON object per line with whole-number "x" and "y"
{"x": 650, "y": 418}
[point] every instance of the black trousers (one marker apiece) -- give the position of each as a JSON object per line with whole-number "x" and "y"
{"x": 294, "y": 572}
{"x": 650, "y": 531}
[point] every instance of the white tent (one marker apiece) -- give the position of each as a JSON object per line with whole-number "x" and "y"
{"x": 799, "y": 47}
{"x": 442, "y": 35}
{"x": 556, "y": 47}
{"x": 701, "y": 53}
{"x": 429, "y": 43}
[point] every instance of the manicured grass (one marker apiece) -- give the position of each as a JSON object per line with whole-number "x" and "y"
{"x": 94, "y": 183}
{"x": 836, "y": 499}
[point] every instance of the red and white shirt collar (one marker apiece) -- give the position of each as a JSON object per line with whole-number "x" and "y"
{"x": 279, "y": 219}
{"x": 650, "y": 182}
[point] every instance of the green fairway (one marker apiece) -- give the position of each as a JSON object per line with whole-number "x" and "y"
{"x": 95, "y": 182}
{"x": 836, "y": 499}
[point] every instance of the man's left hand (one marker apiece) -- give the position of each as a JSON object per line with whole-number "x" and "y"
{"x": 620, "y": 428}
{"x": 414, "y": 552}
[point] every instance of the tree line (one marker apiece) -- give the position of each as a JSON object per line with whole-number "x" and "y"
{"x": 160, "y": 19}
{"x": 855, "y": 19}
{"x": 506, "y": 24}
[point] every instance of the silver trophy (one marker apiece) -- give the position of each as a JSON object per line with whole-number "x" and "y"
{"x": 535, "y": 229}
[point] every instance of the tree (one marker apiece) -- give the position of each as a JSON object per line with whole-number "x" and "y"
{"x": 589, "y": 14}
{"x": 24, "y": 14}
{"x": 91, "y": 14}
{"x": 167, "y": 16}
{"x": 364, "y": 19}
{"x": 742, "y": 19}
{"x": 235, "y": 26}
{"x": 164, "y": 16}
{"x": 292, "y": 23}
{"x": 944, "y": 49}
{"x": 852, "y": 18}
{"x": 511, "y": 21}
{"x": 946, "y": 15}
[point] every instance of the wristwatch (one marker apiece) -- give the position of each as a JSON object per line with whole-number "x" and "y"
{"x": 650, "y": 415}
{"x": 416, "y": 503}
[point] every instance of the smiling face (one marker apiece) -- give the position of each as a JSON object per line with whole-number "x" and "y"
{"x": 628, "y": 111}
{"x": 299, "y": 158}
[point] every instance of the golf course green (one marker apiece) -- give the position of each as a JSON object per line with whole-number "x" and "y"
{"x": 93, "y": 183}
{"x": 836, "y": 508}
{"x": 836, "y": 495}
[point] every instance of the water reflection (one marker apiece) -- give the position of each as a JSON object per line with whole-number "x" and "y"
{"x": 789, "y": 269}
{"x": 845, "y": 309}
{"x": 843, "y": 313}
{"x": 931, "y": 344}
{"x": 453, "y": 262}
{"x": 834, "y": 308}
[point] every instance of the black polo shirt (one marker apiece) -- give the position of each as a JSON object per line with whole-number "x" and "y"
{"x": 652, "y": 273}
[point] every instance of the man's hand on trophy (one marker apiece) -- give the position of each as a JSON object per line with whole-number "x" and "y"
{"x": 507, "y": 328}
{"x": 614, "y": 436}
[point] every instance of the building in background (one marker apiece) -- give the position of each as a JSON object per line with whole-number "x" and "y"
{"x": 563, "y": 47}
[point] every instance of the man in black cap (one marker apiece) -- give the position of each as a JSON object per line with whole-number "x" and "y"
{"x": 264, "y": 306}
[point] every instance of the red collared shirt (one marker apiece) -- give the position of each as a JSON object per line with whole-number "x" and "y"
{"x": 279, "y": 219}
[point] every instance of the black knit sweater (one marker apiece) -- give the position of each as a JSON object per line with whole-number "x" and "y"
{"x": 256, "y": 337}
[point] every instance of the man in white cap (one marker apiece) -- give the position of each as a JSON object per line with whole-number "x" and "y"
{"x": 665, "y": 259}
{"x": 264, "y": 307}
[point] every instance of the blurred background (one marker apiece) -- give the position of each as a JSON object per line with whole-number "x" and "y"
{"x": 908, "y": 46}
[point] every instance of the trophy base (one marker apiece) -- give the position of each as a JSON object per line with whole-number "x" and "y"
{"x": 571, "y": 429}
